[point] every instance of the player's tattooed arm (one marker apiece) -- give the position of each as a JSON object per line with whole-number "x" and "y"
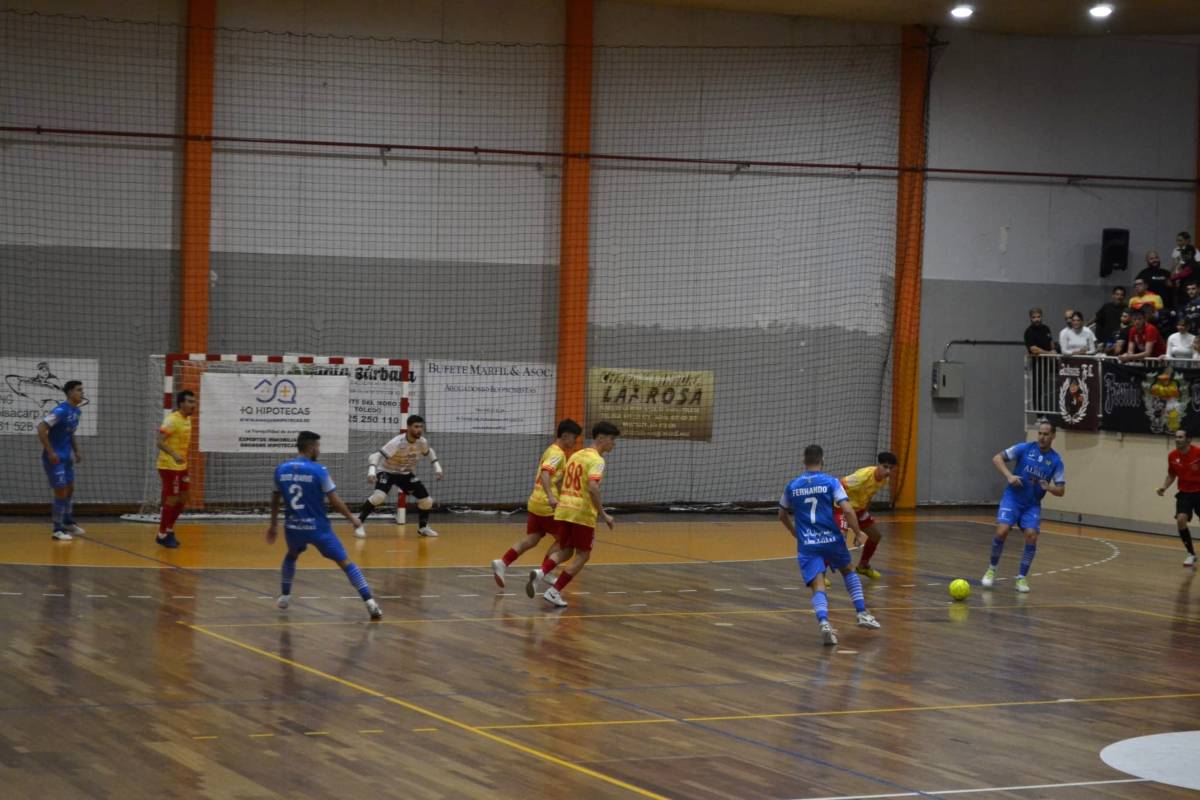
{"x": 433, "y": 459}
{"x": 1002, "y": 466}
{"x": 273, "y": 528}
{"x": 851, "y": 518}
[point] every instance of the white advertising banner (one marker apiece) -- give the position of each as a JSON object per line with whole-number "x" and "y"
{"x": 31, "y": 386}
{"x": 263, "y": 413}
{"x": 375, "y": 394}
{"x": 489, "y": 397}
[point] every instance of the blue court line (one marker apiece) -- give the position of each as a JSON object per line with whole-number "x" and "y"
{"x": 764, "y": 745}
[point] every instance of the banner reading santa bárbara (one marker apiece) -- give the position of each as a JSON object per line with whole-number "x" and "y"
{"x": 264, "y": 413}
{"x": 652, "y": 404}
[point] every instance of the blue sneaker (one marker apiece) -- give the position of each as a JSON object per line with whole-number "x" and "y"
{"x": 168, "y": 541}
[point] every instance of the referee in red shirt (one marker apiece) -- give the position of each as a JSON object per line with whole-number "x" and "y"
{"x": 1184, "y": 463}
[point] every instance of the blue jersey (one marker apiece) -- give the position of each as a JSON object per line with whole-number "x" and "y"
{"x": 811, "y": 499}
{"x": 1031, "y": 465}
{"x": 62, "y": 422}
{"x": 304, "y": 484}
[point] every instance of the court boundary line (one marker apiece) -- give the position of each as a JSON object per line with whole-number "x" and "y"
{"x": 417, "y": 709}
{"x": 980, "y": 790}
{"x": 847, "y": 712}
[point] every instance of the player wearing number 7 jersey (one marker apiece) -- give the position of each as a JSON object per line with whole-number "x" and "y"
{"x": 546, "y": 488}
{"x": 303, "y": 485}
{"x": 579, "y": 505}
{"x": 806, "y": 510}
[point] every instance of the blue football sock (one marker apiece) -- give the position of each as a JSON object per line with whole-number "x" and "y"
{"x": 358, "y": 580}
{"x": 1027, "y": 557}
{"x": 997, "y": 549}
{"x": 58, "y": 510}
{"x": 69, "y": 512}
{"x": 854, "y": 587}
{"x": 289, "y": 573}
{"x": 820, "y": 605}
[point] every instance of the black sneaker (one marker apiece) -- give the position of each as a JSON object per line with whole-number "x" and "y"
{"x": 169, "y": 540}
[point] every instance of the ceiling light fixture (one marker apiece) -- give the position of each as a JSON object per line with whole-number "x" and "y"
{"x": 962, "y": 11}
{"x": 1101, "y": 10}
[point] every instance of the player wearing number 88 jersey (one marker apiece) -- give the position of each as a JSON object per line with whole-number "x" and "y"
{"x": 806, "y": 509}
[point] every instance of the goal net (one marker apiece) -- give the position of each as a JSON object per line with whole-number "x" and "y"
{"x": 250, "y": 409}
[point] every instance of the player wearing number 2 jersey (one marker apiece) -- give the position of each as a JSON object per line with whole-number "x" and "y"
{"x": 543, "y": 499}
{"x": 579, "y": 505}
{"x": 806, "y": 509}
{"x": 302, "y": 486}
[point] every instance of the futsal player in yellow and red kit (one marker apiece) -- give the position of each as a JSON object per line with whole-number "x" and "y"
{"x": 579, "y": 504}
{"x": 174, "y": 441}
{"x": 543, "y": 499}
{"x": 861, "y": 485}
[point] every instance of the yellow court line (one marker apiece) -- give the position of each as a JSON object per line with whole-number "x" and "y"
{"x": 841, "y": 712}
{"x": 1192, "y": 620}
{"x": 550, "y": 615}
{"x": 530, "y": 751}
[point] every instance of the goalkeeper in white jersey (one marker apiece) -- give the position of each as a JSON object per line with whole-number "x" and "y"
{"x": 393, "y": 465}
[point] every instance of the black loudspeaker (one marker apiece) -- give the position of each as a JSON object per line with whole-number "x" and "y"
{"x": 1114, "y": 250}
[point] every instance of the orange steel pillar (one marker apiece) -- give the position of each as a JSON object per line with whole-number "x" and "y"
{"x": 576, "y": 188}
{"x": 910, "y": 225}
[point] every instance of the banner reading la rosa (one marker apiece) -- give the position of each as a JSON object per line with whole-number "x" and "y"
{"x": 31, "y": 386}
{"x": 652, "y": 404}
{"x": 264, "y": 413}
{"x": 489, "y": 397}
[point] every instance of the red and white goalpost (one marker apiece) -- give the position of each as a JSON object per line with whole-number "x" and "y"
{"x": 238, "y": 484}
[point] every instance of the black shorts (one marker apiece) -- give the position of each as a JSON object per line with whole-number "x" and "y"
{"x": 407, "y": 483}
{"x": 1187, "y": 503}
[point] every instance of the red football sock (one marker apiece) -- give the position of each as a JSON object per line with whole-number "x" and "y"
{"x": 509, "y": 557}
{"x": 168, "y": 517}
{"x": 563, "y": 579}
{"x": 868, "y": 551}
{"x": 548, "y": 565}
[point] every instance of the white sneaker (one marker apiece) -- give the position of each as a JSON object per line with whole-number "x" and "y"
{"x": 988, "y": 578}
{"x": 360, "y": 532}
{"x": 1190, "y": 561}
{"x": 498, "y": 571}
{"x": 1022, "y": 585}
{"x": 284, "y": 601}
{"x": 554, "y": 598}
{"x": 534, "y": 582}
{"x": 75, "y": 528}
{"x": 828, "y": 634}
{"x": 867, "y": 620}
{"x": 425, "y": 530}
{"x": 374, "y": 610}
{"x": 61, "y": 536}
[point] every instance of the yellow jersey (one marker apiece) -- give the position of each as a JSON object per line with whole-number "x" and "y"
{"x": 552, "y": 462}
{"x": 574, "y": 500}
{"x": 861, "y": 486}
{"x": 178, "y": 429}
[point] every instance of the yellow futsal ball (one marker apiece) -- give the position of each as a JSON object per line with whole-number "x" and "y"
{"x": 960, "y": 589}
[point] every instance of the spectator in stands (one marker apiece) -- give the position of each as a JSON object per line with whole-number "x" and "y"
{"x": 1067, "y": 315}
{"x": 1181, "y": 343}
{"x": 1144, "y": 339}
{"x": 1077, "y": 340}
{"x": 1142, "y": 296}
{"x": 1108, "y": 318}
{"x": 1157, "y": 279}
{"x": 1190, "y": 307}
{"x": 1184, "y": 252}
{"x": 1115, "y": 344}
{"x": 1038, "y": 338}
{"x": 1186, "y": 269}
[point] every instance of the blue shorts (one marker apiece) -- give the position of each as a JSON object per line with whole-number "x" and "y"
{"x": 326, "y": 542}
{"x": 62, "y": 474}
{"x": 815, "y": 559}
{"x": 1027, "y": 518}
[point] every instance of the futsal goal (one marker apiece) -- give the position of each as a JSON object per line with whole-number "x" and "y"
{"x": 250, "y": 409}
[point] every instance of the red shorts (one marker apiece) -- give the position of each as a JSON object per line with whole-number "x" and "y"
{"x": 571, "y": 534}
{"x": 864, "y": 519}
{"x": 174, "y": 482}
{"x": 537, "y": 525}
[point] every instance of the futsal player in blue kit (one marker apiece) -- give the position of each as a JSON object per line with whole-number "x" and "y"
{"x": 60, "y": 453}
{"x": 806, "y": 509}
{"x": 302, "y": 485}
{"x": 1037, "y": 469}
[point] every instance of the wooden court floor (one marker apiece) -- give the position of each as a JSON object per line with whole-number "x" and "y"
{"x": 687, "y": 666}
